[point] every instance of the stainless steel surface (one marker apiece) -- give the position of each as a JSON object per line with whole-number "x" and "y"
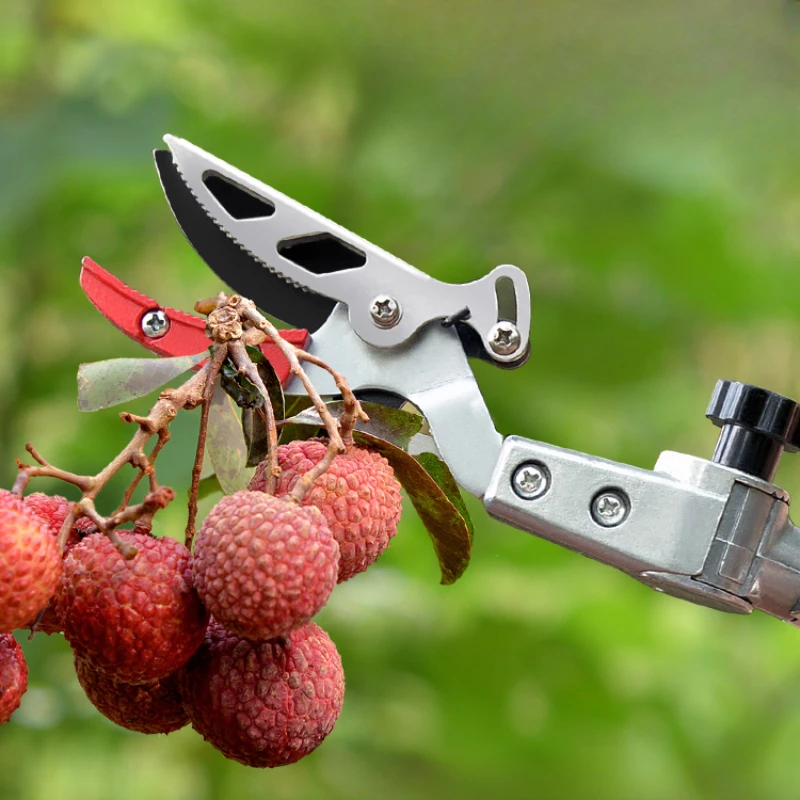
{"x": 694, "y": 529}
{"x": 610, "y": 508}
{"x": 687, "y": 588}
{"x": 530, "y": 481}
{"x": 422, "y": 298}
{"x": 504, "y": 338}
{"x": 433, "y": 373}
{"x": 155, "y": 324}
{"x": 670, "y": 526}
{"x": 385, "y": 311}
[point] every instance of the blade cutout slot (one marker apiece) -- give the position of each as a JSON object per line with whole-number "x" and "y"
{"x": 238, "y": 202}
{"x": 321, "y": 253}
{"x": 506, "y": 296}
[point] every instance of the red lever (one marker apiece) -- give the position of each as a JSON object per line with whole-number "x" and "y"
{"x": 185, "y": 335}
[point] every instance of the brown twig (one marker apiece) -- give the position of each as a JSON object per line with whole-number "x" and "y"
{"x": 336, "y": 444}
{"x": 241, "y": 359}
{"x": 352, "y": 411}
{"x": 233, "y": 322}
{"x": 220, "y": 354}
{"x": 145, "y": 469}
{"x": 189, "y": 395}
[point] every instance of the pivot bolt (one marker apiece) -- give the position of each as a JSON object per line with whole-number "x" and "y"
{"x": 530, "y": 480}
{"x": 504, "y": 338}
{"x": 155, "y": 324}
{"x": 385, "y": 311}
{"x": 610, "y": 508}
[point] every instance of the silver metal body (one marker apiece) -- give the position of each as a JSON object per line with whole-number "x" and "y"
{"x": 696, "y": 529}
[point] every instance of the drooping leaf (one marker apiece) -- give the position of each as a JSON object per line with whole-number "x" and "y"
{"x": 254, "y": 427}
{"x": 390, "y": 424}
{"x": 446, "y": 520}
{"x": 435, "y": 494}
{"x": 208, "y": 486}
{"x": 440, "y": 472}
{"x": 103, "y": 384}
{"x": 271, "y": 381}
{"x": 253, "y": 421}
{"x": 243, "y": 391}
{"x": 225, "y": 444}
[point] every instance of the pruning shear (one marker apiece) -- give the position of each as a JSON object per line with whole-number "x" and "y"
{"x": 713, "y": 531}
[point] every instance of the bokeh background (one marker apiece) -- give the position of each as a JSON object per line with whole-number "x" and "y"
{"x": 641, "y": 161}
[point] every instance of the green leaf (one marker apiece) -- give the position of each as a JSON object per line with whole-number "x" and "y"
{"x": 103, "y": 384}
{"x": 271, "y": 381}
{"x": 256, "y": 440}
{"x": 208, "y": 486}
{"x": 390, "y": 424}
{"x": 427, "y": 480}
{"x": 253, "y": 421}
{"x": 290, "y": 432}
{"x": 225, "y": 444}
{"x": 440, "y": 472}
{"x": 244, "y": 393}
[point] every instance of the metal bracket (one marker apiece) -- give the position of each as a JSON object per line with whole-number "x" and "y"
{"x": 692, "y": 528}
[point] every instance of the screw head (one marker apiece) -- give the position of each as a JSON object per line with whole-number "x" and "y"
{"x": 504, "y": 338}
{"x": 385, "y": 311}
{"x": 610, "y": 508}
{"x": 155, "y": 324}
{"x": 530, "y": 480}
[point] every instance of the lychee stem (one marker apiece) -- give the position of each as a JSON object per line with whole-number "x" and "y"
{"x": 352, "y": 407}
{"x": 240, "y": 357}
{"x": 220, "y": 354}
{"x": 336, "y": 440}
{"x": 189, "y": 395}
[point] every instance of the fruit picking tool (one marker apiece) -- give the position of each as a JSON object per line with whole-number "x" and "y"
{"x": 715, "y": 532}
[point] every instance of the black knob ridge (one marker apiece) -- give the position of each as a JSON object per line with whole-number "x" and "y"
{"x": 757, "y": 426}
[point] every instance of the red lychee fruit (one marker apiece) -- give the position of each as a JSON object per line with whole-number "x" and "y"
{"x": 264, "y": 565}
{"x": 358, "y": 495}
{"x": 137, "y": 620}
{"x": 13, "y": 676}
{"x": 53, "y": 509}
{"x": 267, "y": 703}
{"x": 30, "y": 563}
{"x": 152, "y": 708}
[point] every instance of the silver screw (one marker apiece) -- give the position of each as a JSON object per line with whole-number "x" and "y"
{"x": 530, "y": 480}
{"x": 610, "y": 508}
{"x": 155, "y": 324}
{"x": 385, "y": 311}
{"x": 504, "y": 338}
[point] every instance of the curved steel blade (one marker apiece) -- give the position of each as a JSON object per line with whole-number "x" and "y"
{"x": 321, "y": 256}
{"x": 236, "y": 267}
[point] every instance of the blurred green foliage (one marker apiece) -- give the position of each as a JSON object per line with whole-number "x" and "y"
{"x": 640, "y": 161}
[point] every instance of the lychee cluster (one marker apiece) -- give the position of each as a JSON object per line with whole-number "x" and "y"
{"x": 221, "y": 638}
{"x": 358, "y": 495}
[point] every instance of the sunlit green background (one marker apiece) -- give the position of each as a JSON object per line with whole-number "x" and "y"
{"x": 640, "y": 160}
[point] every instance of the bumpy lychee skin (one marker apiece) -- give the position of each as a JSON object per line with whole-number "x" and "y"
{"x": 152, "y": 708}
{"x": 359, "y": 496}
{"x": 263, "y": 565}
{"x": 13, "y": 676}
{"x": 53, "y": 509}
{"x": 30, "y": 563}
{"x": 136, "y": 620}
{"x": 268, "y": 703}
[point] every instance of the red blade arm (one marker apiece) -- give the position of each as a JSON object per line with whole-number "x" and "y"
{"x": 124, "y": 308}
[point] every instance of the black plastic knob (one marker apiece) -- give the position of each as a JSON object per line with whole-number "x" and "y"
{"x": 757, "y": 426}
